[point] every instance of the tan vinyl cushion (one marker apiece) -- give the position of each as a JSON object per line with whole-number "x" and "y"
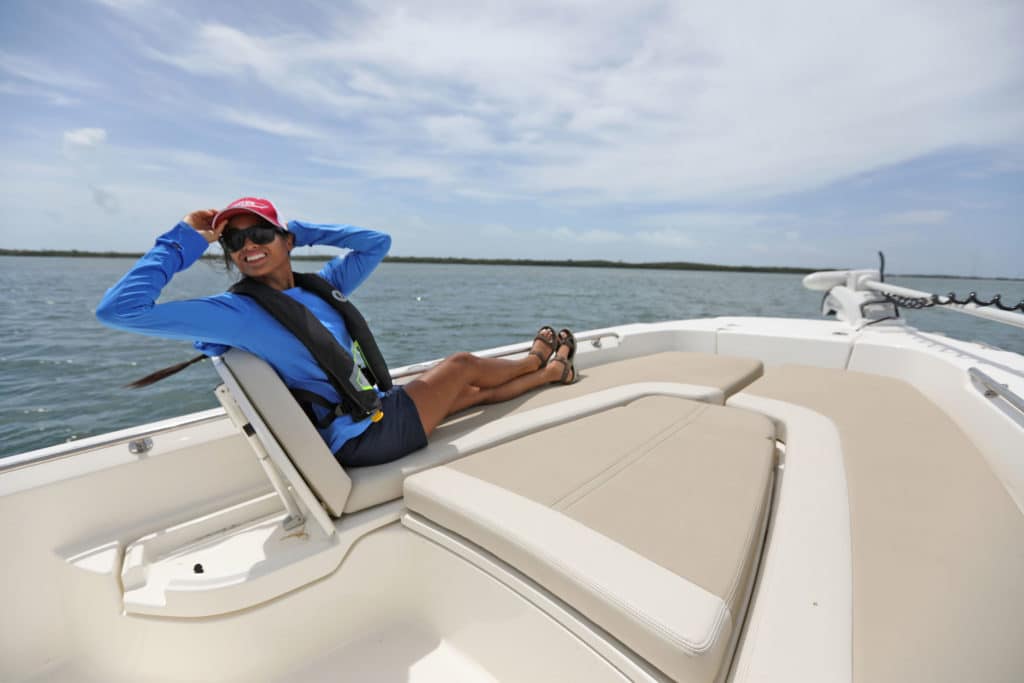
{"x": 292, "y": 429}
{"x": 379, "y": 484}
{"x": 726, "y": 373}
{"x": 938, "y": 544}
{"x": 647, "y": 518}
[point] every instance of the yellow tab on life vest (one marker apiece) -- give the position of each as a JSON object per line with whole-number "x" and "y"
{"x": 378, "y": 416}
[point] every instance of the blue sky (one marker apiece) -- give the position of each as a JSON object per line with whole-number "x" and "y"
{"x": 783, "y": 133}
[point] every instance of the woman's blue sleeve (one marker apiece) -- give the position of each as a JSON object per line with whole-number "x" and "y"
{"x": 368, "y": 248}
{"x": 131, "y": 303}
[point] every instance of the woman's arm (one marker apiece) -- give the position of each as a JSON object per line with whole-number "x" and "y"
{"x": 131, "y": 303}
{"x": 368, "y": 248}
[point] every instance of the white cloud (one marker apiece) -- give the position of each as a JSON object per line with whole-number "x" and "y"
{"x": 282, "y": 64}
{"x": 918, "y": 217}
{"x": 365, "y": 82}
{"x": 28, "y": 90}
{"x": 485, "y": 194}
{"x": 713, "y": 220}
{"x": 392, "y": 165}
{"x": 85, "y": 137}
{"x": 675, "y": 239}
{"x": 82, "y": 146}
{"x": 667, "y": 122}
{"x": 458, "y": 133}
{"x": 496, "y": 230}
{"x": 587, "y": 236}
{"x": 268, "y": 124}
{"x": 36, "y": 71}
{"x": 84, "y": 151}
{"x": 124, "y": 5}
{"x": 646, "y": 102}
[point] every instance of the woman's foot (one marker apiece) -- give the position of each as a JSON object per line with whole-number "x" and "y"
{"x": 544, "y": 345}
{"x": 565, "y": 352}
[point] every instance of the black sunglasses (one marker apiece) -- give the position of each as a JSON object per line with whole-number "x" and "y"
{"x": 262, "y": 233}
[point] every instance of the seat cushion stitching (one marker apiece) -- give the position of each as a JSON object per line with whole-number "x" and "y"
{"x": 573, "y": 496}
{"x": 754, "y": 527}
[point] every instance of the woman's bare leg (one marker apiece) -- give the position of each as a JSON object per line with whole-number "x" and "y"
{"x": 474, "y": 396}
{"x": 520, "y": 385}
{"x": 442, "y": 389}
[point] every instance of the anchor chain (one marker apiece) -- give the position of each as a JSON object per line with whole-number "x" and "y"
{"x": 950, "y": 300}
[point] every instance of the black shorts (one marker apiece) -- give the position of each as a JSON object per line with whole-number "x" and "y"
{"x": 398, "y": 433}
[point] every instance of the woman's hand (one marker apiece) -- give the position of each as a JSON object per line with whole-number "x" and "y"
{"x": 304, "y": 236}
{"x": 202, "y": 222}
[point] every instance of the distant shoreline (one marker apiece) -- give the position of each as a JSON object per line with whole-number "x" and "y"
{"x": 455, "y": 261}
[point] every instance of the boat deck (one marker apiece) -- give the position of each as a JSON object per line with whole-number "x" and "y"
{"x": 887, "y": 532}
{"x": 937, "y": 541}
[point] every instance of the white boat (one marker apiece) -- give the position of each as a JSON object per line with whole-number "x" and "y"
{"x": 725, "y": 499}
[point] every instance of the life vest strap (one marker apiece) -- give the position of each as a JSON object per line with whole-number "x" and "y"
{"x": 307, "y": 399}
{"x": 358, "y": 398}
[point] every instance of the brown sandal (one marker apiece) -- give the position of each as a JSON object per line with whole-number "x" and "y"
{"x": 550, "y": 343}
{"x": 567, "y": 367}
{"x": 566, "y": 338}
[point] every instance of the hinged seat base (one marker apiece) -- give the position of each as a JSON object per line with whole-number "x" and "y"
{"x": 226, "y": 561}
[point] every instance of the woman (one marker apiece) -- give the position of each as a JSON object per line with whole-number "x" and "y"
{"x": 259, "y": 246}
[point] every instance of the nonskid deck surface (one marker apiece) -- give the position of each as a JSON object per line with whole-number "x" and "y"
{"x": 402, "y": 652}
{"x": 399, "y": 608}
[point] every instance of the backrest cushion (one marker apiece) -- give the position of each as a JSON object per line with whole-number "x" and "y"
{"x": 292, "y": 429}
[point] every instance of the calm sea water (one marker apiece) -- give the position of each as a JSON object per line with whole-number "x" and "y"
{"x": 63, "y": 372}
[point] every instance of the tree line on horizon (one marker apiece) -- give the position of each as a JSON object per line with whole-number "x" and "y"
{"x": 454, "y": 260}
{"x": 463, "y": 261}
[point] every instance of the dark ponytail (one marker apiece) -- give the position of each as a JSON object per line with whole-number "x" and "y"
{"x": 162, "y": 373}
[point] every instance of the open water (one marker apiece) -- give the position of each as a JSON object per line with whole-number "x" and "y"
{"x": 63, "y": 373}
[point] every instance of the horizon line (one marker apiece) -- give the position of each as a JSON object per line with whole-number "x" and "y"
{"x": 565, "y": 263}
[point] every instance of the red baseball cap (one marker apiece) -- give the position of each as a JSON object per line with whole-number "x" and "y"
{"x": 255, "y": 205}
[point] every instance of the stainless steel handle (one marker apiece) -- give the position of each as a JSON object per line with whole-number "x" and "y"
{"x": 991, "y": 388}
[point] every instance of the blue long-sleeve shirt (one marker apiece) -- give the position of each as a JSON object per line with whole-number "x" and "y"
{"x": 224, "y": 320}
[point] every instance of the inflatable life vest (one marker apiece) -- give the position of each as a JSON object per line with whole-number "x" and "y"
{"x": 353, "y": 383}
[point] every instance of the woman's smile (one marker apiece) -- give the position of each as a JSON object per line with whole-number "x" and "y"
{"x": 252, "y": 258}
{"x": 267, "y": 262}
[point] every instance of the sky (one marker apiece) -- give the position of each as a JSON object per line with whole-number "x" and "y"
{"x": 792, "y": 132}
